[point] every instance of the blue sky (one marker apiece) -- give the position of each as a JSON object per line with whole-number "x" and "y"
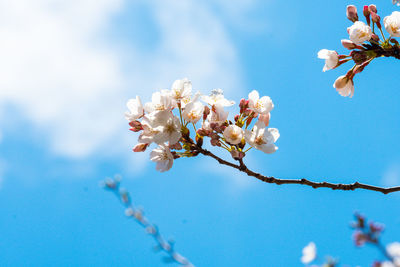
{"x": 68, "y": 69}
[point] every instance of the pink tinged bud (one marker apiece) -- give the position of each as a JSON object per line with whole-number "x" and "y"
{"x": 375, "y": 18}
{"x": 360, "y": 68}
{"x": 367, "y": 14}
{"x": 351, "y": 13}
{"x": 203, "y": 132}
{"x": 242, "y": 105}
{"x": 348, "y": 44}
{"x": 206, "y": 112}
{"x": 236, "y": 118}
{"x": 136, "y": 126}
{"x": 372, "y": 8}
{"x": 265, "y": 118}
{"x": 375, "y": 37}
{"x": 237, "y": 154}
{"x": 140, "y": 147}
{"x": 176, "y": 146}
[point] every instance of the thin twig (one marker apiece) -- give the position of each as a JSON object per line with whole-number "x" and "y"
{"x": 272, "y": 180}
{"x": 137, "y": 214}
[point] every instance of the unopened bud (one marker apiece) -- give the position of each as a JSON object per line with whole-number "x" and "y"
{"x": 351, "y": 13}
{"x": 176, "y": 146}
{"x": 140, "y": 147}
{"x": 202, "y": 132}
{"x": 206, "y": 112}
{"x": 237, "y": 155}
{"x": 367, "y": 14}
{"x": 136, "y": 126}
{"x": 372, "y": 8}
{"x": 375, "y": 37}
{"x": 360, "y": 68}
{"x": 375, "y": 18}
{"x": 242, "y": 105}
{"x": 348, "y": 44}
{"x": 236, "y": 118}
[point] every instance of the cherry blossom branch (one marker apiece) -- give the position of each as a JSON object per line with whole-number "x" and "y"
{"x": 272, "y": 180}
{"x": 137, "y": 214}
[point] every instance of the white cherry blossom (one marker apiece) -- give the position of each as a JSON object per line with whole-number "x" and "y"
{"x": 233, "y": 134}
{"x": 163, "y": 157}
{"x": 331, "y": 58}
{"x": 168, "y": 126}
{"x": 181, "y": 89}
{"x": 135, "y": 107}
{"x": 160, "y": 127}
{"x": 159, "y": 101}
{"x": 217, "y": 98}
{"x": 344, "y": 86}
{"x": 262, "y": 138}
{"x": 309, "y": 253}
{"x": 193, "y": 111}
{"x": 359, "y": 32}
{"x": 259, "y": 105}
{"x": 218, "y": 114}
{"x": 392, "y": 24}
{"x": 150, "y": 129}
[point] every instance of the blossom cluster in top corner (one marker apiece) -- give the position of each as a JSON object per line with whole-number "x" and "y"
{"x": 364, "y": 44}
{"x": 177, "y": 121}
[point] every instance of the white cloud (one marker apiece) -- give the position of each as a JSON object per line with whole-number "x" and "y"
{"x": 60, "y": 71}
{"x": 391, "y": 176}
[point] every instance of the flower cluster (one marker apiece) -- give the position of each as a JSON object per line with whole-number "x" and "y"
{"x": 166, "y": 120}
{"x": 364, "y": 233}
{"x": 364, "y": 44}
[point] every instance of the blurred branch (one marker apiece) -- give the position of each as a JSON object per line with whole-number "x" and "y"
{"x": 113, "y": 185}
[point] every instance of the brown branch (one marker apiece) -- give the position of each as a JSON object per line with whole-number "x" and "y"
{"x": 272, "y": 180}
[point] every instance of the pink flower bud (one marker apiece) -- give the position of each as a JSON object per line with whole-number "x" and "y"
{"x": 242, "y": 105}
{"x": 236, "y": 118}
{"x": 372, "y": 8}
{"x": 136, "y": 126}
{"x": 348, "y": 44}
{"x": 206, "y": 112}
{"x": 351, "y": 13}
{"x": 375, "y": 37}
{"x": 203, "y": 132}
{"x": 140, "y": 147}
{"x": 367, "y": 14}
{"x": 176, "y": 146}
{"x": 237, "y": 154}
{"x": 375, "y": 18}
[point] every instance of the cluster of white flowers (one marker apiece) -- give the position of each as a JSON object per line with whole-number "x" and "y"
{"x": 362, "y": 52}
{"x": 165, "y": 121}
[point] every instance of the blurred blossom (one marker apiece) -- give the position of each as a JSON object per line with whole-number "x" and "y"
{"x": 309, "y": 253}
